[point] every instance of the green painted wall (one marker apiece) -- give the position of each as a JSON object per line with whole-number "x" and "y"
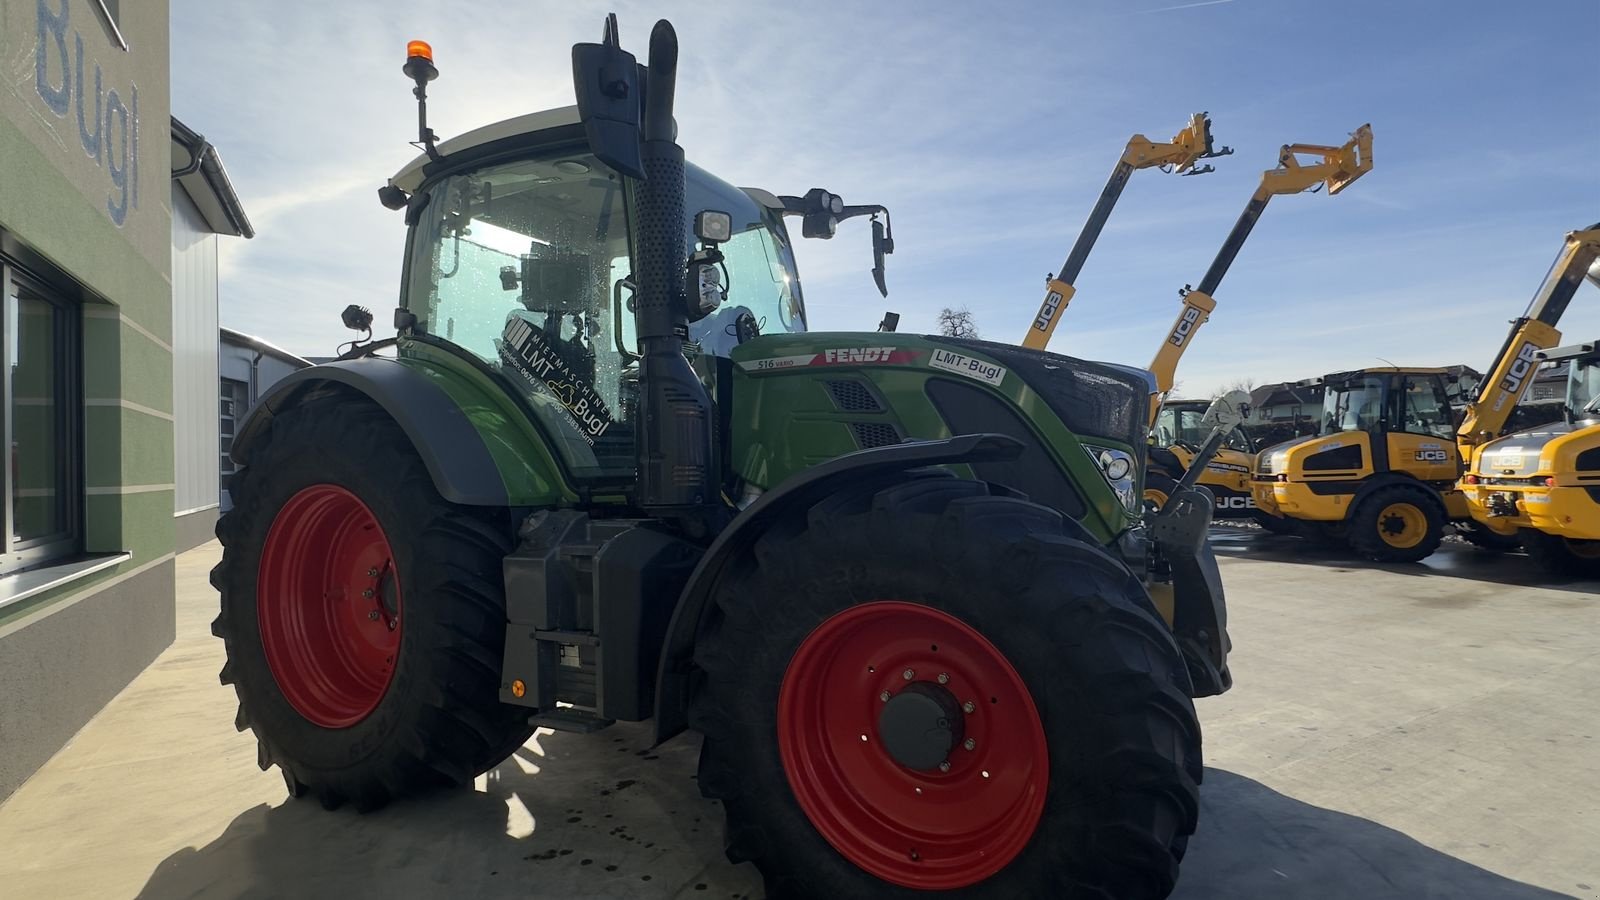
{"x": 86, "y": 186}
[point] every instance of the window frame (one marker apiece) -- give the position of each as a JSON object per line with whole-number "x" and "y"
{"x": 67, "y": 541}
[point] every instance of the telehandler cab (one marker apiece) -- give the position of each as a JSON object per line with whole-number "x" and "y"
{"x": 1383, "y": 473}
{"x": 903, "y": 586}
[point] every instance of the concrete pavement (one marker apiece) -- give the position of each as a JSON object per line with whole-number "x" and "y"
{"x": 1401, "y": 732}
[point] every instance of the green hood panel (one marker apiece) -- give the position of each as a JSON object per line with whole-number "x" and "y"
{"x": 804, "y": 398}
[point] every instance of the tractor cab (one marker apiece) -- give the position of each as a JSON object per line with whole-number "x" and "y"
{"x": 518, "y": 257}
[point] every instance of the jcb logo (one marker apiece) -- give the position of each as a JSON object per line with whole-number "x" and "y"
{"x": 1520, "y": 368}
{"x": 1186, "y": 324}
{"x": 1434, "y": 456}
{"x": 1236, "y": 503}
{"x": 1047, "y": 312}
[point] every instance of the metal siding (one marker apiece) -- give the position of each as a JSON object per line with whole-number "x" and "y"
{"x": 194, "y": 356}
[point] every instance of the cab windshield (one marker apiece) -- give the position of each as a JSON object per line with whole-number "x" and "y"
{"x": 1354, "y": 405}
{"x": 526, "y": 265}
{"x": 1184, "y": 425}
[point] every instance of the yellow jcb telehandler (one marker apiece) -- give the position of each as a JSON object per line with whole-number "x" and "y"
{"x": 1382, "y": 474}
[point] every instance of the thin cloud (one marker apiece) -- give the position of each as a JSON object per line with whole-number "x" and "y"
{"x": 1146, "y": 12}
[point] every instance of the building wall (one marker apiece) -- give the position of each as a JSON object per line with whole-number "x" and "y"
{"x": 84, "y": 194}
{"x": 194, "y": 365}
{"x": 246, "y": 374}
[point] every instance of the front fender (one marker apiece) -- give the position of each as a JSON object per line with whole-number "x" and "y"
{"x": 795, "y": 495}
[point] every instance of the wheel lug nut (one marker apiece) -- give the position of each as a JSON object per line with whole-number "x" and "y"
{"x": 944, "y": 766}
{"x": 909, "y": 674}
{"x": 968, "y": 707}
{"x": 944, "y": 678}
{"x": 970, "y": 744}
{"x": 373, "y": 615}
{"x": 372, "y": 572}
{"x": 367, "y": 593}
{"x": 884, "y": 696}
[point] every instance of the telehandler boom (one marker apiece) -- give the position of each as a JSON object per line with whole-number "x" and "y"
{"x": 1337, "y": 169}
{"x": 1181, "y": 154}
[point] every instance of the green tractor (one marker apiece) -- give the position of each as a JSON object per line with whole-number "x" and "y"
{"x": 904, "y": 587}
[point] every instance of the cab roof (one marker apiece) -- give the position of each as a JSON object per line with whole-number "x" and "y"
{"x": 410, "y": 178}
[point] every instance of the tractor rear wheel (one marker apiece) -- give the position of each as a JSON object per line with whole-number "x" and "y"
{"x": 1554, "y": 553}
{"x": 1397, "y": 523}
{"x": 926, "y": 687}
{"x": 363, "y": 615}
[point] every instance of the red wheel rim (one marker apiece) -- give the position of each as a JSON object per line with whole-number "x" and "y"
{"x": 930, "y": 829}
{"x": 328, "y": 601}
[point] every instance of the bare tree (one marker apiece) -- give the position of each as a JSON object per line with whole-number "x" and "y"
{"x": 957, "y": 323}
{"x": 1238, "y": 384}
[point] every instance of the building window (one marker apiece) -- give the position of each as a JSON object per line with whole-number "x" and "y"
{"x": 42, "y": 411}
{"x": 235, "y": 402}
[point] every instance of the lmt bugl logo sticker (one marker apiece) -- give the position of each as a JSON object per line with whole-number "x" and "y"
{"x": 983, "y": 370}
{"x": 527, "y": 352}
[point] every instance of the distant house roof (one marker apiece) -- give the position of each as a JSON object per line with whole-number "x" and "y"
{"x": 240, "y": 339}
{"x": 197, "y": 168}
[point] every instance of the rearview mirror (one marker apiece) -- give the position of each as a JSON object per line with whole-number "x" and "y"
{"x": 606, "y": 80}
{"x": 1228, "y": 411}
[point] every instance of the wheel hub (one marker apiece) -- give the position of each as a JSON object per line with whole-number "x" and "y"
{"x": 920, "y": 726}
{"x": 912, "y": 745}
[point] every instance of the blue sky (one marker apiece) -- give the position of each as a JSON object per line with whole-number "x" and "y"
{"x": 988, "y": 130}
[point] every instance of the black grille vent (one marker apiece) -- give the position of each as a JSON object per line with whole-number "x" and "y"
{"x": 853, "y": 396}
{"x": 874, "y": 434}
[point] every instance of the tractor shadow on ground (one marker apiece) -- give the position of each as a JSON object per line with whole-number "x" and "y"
{"x": 600, "y": 815}
{"x": 1256, "y": 842}
{"x": 603, "y": 815}
{"x": 1454, "y": 559}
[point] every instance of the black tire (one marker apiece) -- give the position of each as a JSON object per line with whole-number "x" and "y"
{"x": 1554, "y": 553}
{"x": 1157, "y": 487}
{"x": 1380, "y": 522}
{"x": 439, "y": 721}
{"x": 1277, "y": 524}
{"x": 1486, "y": 540}
{"x": 1077, "y": 627}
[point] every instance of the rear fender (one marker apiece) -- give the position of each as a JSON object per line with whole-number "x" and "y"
{"x": 467, "y": 465}
{"x": 795, "y": 495}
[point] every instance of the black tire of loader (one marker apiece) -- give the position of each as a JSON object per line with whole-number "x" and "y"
{"x": 1553, "y": 553}
{"x": 440, "y": 722}
{"x": 1077, "y": 626}
{"x": 1363, "y": 525}
{"x": 1486, "y": 540}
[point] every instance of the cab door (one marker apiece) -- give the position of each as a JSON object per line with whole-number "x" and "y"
{"x": 1421, "y": 430}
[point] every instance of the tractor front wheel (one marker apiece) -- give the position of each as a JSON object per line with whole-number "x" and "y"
{"x": 363, "y": 615}
{"x": 930, "y": 688}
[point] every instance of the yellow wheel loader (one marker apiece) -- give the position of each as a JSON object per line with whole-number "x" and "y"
{"x": 1382, "y": 474}
{"x": 1174, "y": 442}
{"x": 1543, "y": 485}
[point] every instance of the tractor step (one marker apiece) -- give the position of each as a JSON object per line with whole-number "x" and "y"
{"x": 575, "y": 721}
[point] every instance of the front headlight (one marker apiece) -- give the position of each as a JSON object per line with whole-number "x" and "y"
{"x": 1116, "y": 466}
